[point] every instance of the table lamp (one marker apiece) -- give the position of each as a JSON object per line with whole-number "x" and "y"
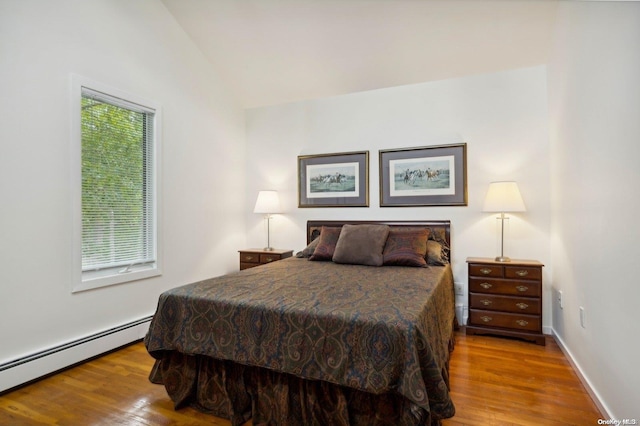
{"x": 503, "y": 197}
{"x": 268, "y": 203}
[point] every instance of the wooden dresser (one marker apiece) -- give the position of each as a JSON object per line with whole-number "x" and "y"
{"x": 256, "y": 257}
{"x": 505, "y": 298}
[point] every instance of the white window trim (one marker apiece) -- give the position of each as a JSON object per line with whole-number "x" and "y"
{"x": 95, "y": 279}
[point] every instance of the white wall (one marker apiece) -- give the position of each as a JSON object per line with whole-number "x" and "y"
{"x": 584, "y": 233}
{"x": 595, "y": 134}
{"x": 137, "y": 47}
{"x": 502, "y": 117}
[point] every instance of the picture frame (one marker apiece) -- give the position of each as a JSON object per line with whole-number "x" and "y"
{"x": 424, "y": 176}
{"x": 334, "y": 180}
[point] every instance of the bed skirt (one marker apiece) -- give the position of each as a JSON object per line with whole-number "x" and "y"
{"x": 239, "y": 393}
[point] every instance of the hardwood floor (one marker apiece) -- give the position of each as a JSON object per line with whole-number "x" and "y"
{"x": 494, "y": 381}
{"x": 111, "y": 390}
{"x": 501, "y": 381}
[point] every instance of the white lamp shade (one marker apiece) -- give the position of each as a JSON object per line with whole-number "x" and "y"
{"x": 267, "y": 202}
{"x": 503, "y": 197}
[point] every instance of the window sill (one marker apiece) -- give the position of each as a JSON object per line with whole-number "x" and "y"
{"x": 107, "y": 277}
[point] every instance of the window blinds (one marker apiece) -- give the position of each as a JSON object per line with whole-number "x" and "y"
{"x": 117, "y": 183}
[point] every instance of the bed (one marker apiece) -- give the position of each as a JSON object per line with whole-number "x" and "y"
{"x": 321, "y": 338}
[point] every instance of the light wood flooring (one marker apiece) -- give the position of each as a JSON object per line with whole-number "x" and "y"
{"x": 494, "y": 381}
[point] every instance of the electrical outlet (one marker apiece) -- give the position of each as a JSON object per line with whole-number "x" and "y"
{"x": 583, "y": 317}
{"x": 459, "y": 289}
{"x": 560, "y": 302}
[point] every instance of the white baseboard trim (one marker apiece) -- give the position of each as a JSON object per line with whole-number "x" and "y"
{"x": 600, "y": 405}
{"x": 31, "y": 367}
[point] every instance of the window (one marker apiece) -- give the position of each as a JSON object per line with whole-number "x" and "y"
{"x": 117, "y": 164}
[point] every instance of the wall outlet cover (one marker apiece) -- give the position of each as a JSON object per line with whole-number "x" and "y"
{"x": 560, "y": 301}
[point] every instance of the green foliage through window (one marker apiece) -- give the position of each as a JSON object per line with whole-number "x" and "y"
{"x": 116, "y": 183}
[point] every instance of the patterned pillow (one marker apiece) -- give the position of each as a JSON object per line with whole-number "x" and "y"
{"x": 437, "y": 247}
{"x": 308, "y": 250}
{"x": 361, "y": 244}
{"x": 406, "y": 247}
{"x": 327, "y": 243}
{"x": 436, "y": 254}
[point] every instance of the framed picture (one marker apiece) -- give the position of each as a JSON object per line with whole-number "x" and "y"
{"x": 425, "y": 176}
{"x": 334, "y": 180}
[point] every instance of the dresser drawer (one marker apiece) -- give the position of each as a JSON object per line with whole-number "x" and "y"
{"x": 480, "y": 270}
{"x": 504, "y": 320}
{"x": 523, "y": 273}
{"x": 521, "y": 305}
{"x": 268, "y": 258}
{"x": 249, "y": 257}
{"x": 508, "y": 287}
{"x": 256, "y": 257}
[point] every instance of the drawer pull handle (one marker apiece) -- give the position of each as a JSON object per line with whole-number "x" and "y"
{"x": 269, "y": 259}
{"x": 522, "y": 323}
{"x": 522, "y": 288}
{"x": 522, "y": 305}
{"x": 485, "y": 318}
{"x": 486, "y": 286}
{"x": 522, "y": 273}
{"x": 249, "y": 257}
{"x": 485, "y": 271}
{"x": 486, "y": 302}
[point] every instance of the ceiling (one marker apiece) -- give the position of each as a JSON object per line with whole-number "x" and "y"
{"x": 277, "y": 51}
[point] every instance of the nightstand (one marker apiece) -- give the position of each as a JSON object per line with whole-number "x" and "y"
{"x": 256, "y": 257}
{"x": 505, "y": 298}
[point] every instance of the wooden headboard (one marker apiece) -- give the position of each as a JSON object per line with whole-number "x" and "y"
{"x": 440, "y": 229}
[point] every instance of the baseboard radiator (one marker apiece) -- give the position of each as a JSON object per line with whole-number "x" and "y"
{"x": 46, "y": 362}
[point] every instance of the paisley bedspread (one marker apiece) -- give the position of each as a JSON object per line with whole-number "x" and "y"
{"x": 377, "y": 331}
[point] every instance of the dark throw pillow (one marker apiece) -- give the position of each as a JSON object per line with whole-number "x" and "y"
{"x": 308, "y": 250}
{"x": 361, "y": 244}
{"x": 326, "y": 243}
{"x": 406, "y": 247}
